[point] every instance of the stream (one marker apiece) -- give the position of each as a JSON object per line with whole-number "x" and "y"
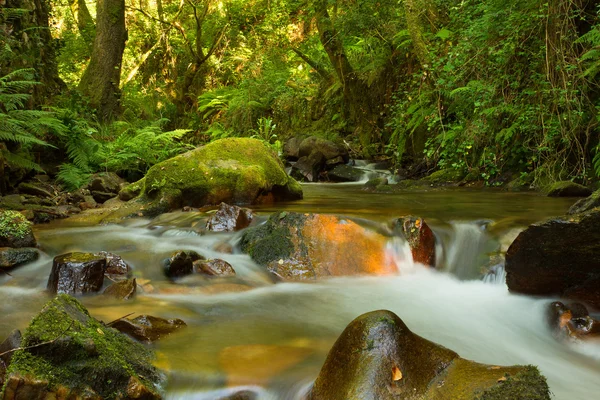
{"x": 274, "y": 338}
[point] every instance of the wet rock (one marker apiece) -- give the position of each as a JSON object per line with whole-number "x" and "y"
{"x": 232, "y": 170}
{"x": 147, "y": 328}
{"x": 291, "y": 148}
{"x": 37, "y": 190}
{"x": 566, "y": 189}
{"x": 241, "y": 395}
{"x": 68, "y": 209}
{"x": 229, "y": 218}
{"x": 329, "y": 149}
{"x": 101, "y": 197}
{"x": 12, "y": 342}
{"x": 15, "y": 230}
{"x": 130, "y": 192}
{"x": 308, "y": 246}
{"x": 106, "y": 182}
{"x": 378, "y": 358}
{"x": 181, "y": 263}
{"x": 572, "y": 322}
{"x": 223, "y": 247}
{"x": 106, "y": 364}
{"x": 420, "y": 238}
{"x": 375, "y": 184}
{"x": 11, "y": 257}
{"x": 88, "y": 203}
{"x": 125, "y": 289}
{"x": 78, "y": 196}
{"x": 345, "y": 173}
{"x": 115, "y": 265}
{"x": 308, "y": 168}
{"x": 586, "y": 204}
{"x": 77, "y": 273}
{"x": 214, "y": 267}
{"x": 558, "y": 257}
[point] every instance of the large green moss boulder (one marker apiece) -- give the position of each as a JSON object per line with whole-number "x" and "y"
{"x": 378, "y": 358}
{"x": 586, "y": 204}
{"x": 67, "y": 354}
{"x": 233, "y": 170}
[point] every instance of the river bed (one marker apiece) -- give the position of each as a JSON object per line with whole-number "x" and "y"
{"x": 275, "y": 337}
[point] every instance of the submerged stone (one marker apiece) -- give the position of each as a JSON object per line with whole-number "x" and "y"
{"x": 378, "y": 358}
{"x": 68, "y": 354}
{"x": 215, "y": 267}
{"x": 77, "y": 273}
{"x": 147, "y": 328}
{"x": 181, "y": 263}
{"x": 309, "y": 246}
{"x": 572, "y": 322}
{"x": 125, "y": 289}
{"x": 11, "y": 257}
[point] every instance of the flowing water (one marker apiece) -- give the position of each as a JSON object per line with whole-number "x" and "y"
{"x": 274, "y": 338}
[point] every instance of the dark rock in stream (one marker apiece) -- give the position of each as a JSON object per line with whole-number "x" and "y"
{"x": 12, "y": 342}
{"x": 420, "y": 238}
{"x": 147, "y": 328}
{"x": 586, "y": 204}
{"x": 124, "y": 290}
{"x": 566, "y": 189}
{"x": 77, "y": 273}
{"x": 229, "y": 219}
{"x": 10, "y": 257}
{"x": 115, "y": 265}
{"x": 181, "y": 263}
{"x": 558, "y": 257}
{"x": 378, "y": 358}
{"x": 345, "y": 173}
{"x": 308, "y": 168}
{"x": 297, "y": 246}
{"x": 67, "y": 354}
{"x": 215, "y": 267}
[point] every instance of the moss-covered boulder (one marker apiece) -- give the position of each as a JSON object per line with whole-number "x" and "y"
{"x": 67, "y": 354}
{"x": 15, "y": 230}
{"x": 309, "y": 246}
{"x": 11, "y": 257}
{"x": 233, "y": 170}
{"x": 558, "y": 257}
{"x": 566, "y": 189}
{"x": 586, "y": 204}
{"x": 443, "y": 176}
{"x": 378, "y": 358}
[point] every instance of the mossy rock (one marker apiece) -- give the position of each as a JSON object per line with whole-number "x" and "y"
{"x": 77, "y": 356}
{"x": 298, "y": 246}
{"x": 566, "y": 189}
{"x": 233, "y": 170}
{"x": 15, "y": 230}
{"x": 586, "y": 204}
{"x": 378, "y": 358}
{"x": 448, "y": 175}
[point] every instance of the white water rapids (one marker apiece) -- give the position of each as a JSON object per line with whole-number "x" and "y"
{"x": 274, "y": 338}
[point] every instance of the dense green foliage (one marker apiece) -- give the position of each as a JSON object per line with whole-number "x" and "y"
{"x": 491, "y": 88}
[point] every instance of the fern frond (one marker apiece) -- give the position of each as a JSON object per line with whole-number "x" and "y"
{"x": 18, "y": 161}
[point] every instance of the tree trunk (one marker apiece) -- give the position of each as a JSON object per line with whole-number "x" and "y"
{"x": 100, "y": 81}
{"x": 355, "y": 91}
{"x": 85, "y": 22}
{"x": 414, "y": 10}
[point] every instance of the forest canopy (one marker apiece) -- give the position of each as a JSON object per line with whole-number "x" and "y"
{"x": 490, "y": 88}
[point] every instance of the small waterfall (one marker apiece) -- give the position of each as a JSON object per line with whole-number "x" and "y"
{"x": 496, "y": 275}
{"x": 465, "y": 250}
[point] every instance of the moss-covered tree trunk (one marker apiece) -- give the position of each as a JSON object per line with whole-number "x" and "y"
{"x": 414, "y": 10}
{"x": 359, "y": 110}
{"x": 85, "y": 22}
{"x": 28, "y": 36}
{"x": 100, "y": 81}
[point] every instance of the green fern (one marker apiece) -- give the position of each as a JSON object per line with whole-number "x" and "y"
{"x": 22, "y": 127}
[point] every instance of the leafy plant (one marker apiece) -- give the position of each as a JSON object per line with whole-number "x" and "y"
{"x": 22, "y": 128}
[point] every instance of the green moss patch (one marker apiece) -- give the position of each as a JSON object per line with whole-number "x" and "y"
{"x": 14, "y": 224}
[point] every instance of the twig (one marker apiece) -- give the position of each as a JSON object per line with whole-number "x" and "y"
{"x": 118, "y": 319}
{"x": 39, "y": 344}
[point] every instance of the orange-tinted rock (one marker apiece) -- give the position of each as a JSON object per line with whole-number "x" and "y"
{"x": 215, "y": 267}
{"x": 420, "y": 238}
{"x": 123, "y": 290}
{"x": 147, "y": 328}
{"x": 572, "y": 321}
{"x": 310, "y": 246}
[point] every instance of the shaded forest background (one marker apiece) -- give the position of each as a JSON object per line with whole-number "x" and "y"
{"x": 490, "y": 88}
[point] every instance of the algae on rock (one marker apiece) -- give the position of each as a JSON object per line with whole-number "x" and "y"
{"x": 68, "y": 354}
{"x": 232, "y": 170}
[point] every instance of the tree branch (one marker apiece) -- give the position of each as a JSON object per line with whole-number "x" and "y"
{"x": 313, "y": 64}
